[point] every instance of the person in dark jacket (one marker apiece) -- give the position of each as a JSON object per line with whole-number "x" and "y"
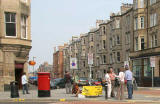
{"x": 68, "y": 81}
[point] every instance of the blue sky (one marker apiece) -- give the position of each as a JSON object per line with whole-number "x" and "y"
{"x": 54, "y": 22}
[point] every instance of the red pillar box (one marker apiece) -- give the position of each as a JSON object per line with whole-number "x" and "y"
{"x": 43, "y": 84}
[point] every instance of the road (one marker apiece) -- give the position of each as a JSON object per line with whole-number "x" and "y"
{"x": 78, "y": 102}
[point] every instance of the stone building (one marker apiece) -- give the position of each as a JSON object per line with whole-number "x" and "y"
{"x": 45, "y": 67}
{"x": 58, "y": 69}
{"x": 146, "y": 37}
{"x": 15, "y": 40}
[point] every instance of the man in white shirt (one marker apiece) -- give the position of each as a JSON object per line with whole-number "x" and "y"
{"x": 108, "y": 81}
{"x": 24, "y": 83}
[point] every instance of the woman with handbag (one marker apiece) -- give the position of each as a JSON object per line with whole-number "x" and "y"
{"x": 120, "y": 89}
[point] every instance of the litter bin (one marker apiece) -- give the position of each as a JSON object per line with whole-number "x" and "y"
{"x": 43, "y": 84}
{"x": 14, "y": 89}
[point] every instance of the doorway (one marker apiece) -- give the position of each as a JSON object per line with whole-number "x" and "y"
{"x": 18, "y": 74}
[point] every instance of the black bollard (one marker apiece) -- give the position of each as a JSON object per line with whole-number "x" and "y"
{"x": 106, "y": 90}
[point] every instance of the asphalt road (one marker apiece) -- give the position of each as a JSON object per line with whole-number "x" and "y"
{"x": 78, "y": 102}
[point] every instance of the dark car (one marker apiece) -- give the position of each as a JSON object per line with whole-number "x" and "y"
{"x": 83, "y": 81}
{"x": 57, "y": 83}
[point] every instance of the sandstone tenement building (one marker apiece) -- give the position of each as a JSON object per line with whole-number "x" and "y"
{"x": 15, "y": 40}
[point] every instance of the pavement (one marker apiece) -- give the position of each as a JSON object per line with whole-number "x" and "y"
{"x": 142, "y": 95}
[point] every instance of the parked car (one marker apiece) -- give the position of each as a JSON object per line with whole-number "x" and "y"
{"x": 83, "y": 81}
{"x": 57, "y": 83}
{"x": 96, "y": 82}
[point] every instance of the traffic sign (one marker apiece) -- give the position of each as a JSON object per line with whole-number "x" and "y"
{"x": 90, "y": 58}
{"x": 152, "y": 61}
{"x": 73, "y": 63}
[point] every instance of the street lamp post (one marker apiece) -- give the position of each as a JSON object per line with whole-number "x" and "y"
{"x": 33, "y": 66}
{"x": 32, "y": 63}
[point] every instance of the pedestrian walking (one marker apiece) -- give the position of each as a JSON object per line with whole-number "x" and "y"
{"x": 108, "y": 81}
{"x": 68, "y": 81}
{"x": 24, "y": 83}
{"x": 129, "y": 77}
{"x": 112, "y": 76}
{"x": 120, "y": 89}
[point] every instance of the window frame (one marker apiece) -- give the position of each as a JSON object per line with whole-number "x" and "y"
{"x": 118, "y": 56}
{"x": 136, "y": 43}
{"x": 26, "y": 27}
{"x": 142, "y": 22}
{"x": 142, "y": 43}
{"x": 10, "y": 22}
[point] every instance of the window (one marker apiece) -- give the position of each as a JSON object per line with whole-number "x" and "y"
{"x": 91, "y": 37}
{"x": 24, "y": 27}
{"x": 142, "y": 43}
{"x": 118, "y": 56}
{"x": 84, "y": 42}
{"x": 136, "y": 23}
{"x": 142, "y": 22}
{"x": 118, "y": 40}
{"x": 153, "y": 19}
{"x": 154, "y": 41}
{"x": 152, "y": 2}
{"x": 98, "y": 62}
{"x": 104, "y": 30}
{"x": 97, "y": 48}
{"x": 104, "y": 59}
{"x": 10, "y": 21}
{"x": 136, "y": 46}
{"x": 142, "y": 3}
{"x": 104, "y": 44}
{"x": 84, "y": 64}
{"x": 91, "y": 48}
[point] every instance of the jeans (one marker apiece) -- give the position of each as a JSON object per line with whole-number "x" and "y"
{"x": 25, "y": 87}
{"x": 130, "y": 89}
{"x": 68, "y": 87}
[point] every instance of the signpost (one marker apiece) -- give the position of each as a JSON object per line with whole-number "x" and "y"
{"x": 152, "y": 64}
{"x": 90, "y": 62}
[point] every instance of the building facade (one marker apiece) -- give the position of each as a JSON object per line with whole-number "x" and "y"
{"x": 146, "y": 37}
{"x": 15, "y": 40}
{"x": 128, "y": 37}
{"x": 58, "y": 70}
